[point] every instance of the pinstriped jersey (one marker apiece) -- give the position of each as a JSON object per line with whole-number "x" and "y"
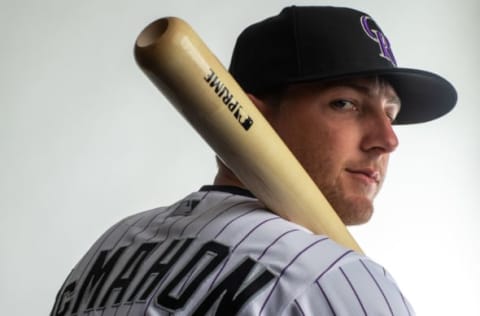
{"x": 220, "y": 252}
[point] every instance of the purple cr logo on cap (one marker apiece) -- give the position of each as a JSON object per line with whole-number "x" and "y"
{"x": 380, "y": 38}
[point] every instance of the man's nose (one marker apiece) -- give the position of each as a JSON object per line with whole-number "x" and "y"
{"x": 380, "y": 135}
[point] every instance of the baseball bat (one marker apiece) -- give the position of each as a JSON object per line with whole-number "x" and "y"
{"x": 182, "y": 67}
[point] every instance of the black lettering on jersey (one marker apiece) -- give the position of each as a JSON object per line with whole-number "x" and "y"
{"x": 215, "y": 254}
{"x": 238, "y": 286}
{"x": 96, "y": 277}
{"x": 64, "y": 299}
{"x": 159, "y": 269}
{"x": 123, "y": 280}
{"x": 228, "y": 290}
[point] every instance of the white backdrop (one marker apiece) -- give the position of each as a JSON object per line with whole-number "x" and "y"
{"x": 85, "y": 140}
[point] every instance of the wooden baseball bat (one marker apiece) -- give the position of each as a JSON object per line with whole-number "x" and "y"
{"x": 182, "y": 67}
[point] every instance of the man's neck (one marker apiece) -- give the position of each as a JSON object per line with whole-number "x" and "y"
{"x": 226, "y": 177}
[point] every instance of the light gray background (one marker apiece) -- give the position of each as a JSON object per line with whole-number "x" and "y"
{"x": 85, "y": 140}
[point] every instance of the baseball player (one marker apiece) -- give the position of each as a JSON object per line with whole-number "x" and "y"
{"x": 327, "y": 80}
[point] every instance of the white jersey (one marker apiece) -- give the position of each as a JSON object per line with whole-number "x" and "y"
{"x": 220, "y": 252}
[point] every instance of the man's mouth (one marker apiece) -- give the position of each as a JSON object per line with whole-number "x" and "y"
{"x": 367, "y": 174}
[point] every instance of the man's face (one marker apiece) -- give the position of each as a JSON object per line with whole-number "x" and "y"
{"x": 341, "y": 133}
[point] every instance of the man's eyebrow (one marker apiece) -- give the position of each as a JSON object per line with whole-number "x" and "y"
{"x": 365, "y": 90}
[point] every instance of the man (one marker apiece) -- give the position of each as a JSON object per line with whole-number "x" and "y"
{"x": 341, "y": 132}
{"x": 327, "y": 81}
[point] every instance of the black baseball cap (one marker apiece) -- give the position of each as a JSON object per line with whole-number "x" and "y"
{"x": 305, "y": 44}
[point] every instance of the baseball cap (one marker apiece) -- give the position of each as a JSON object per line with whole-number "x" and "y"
{"x": 315, "y": 43}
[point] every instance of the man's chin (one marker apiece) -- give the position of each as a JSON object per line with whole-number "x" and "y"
{"x": 354, "y": 211}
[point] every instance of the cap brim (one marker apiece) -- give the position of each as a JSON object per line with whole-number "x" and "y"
{"x": 424, "y": 95}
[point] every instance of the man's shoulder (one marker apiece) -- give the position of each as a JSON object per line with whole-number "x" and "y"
{"x": 239, "y": 220}
{"x": 242, "y": 223}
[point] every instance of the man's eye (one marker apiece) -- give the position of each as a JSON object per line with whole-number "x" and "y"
{"x": 391, "y": 117}
{"x": 343, "y": 105}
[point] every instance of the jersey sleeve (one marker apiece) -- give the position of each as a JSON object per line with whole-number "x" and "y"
{"x": 359, "y": 287}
